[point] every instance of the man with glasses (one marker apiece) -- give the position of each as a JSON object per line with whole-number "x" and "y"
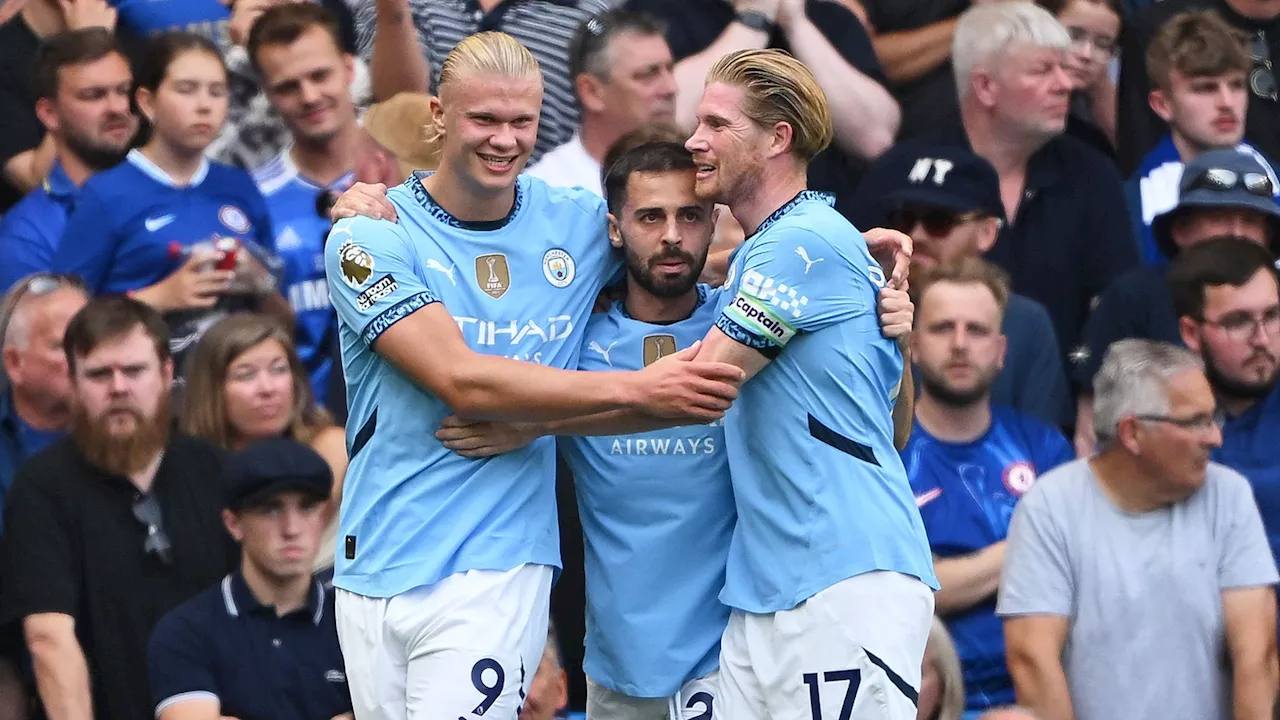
{"x": 1137, "y": 583}
{"x": 1224, "y": 193}
{"x": 112, "y": 527}
{"x": 1197, "y": 65}
{"x": 948, "y": 200}
{"x": 1257, "y": 21}
{"x": 296, "y": 49}
{"x": 1228, "y": 306}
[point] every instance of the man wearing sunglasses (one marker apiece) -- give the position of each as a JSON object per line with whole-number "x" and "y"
{"x": 1227, "y": 301}
{"x": 112, "y": 527}
{"x": 1223, "y": 193}
{"x": 948, "y": 200}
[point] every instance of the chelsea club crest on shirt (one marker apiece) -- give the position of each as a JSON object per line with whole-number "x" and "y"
{"x": 558, "y": 268}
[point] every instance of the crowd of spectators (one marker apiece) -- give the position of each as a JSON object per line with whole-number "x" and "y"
{"x": 1093, "y": 204}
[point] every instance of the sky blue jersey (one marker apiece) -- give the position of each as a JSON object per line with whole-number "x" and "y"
{"x": 967, "y": 493}
{"x": 299, "y": 243}
{"x": 657, "y": 515}
{"x": 820, "y": 490}
{"x": 521, "y": 287}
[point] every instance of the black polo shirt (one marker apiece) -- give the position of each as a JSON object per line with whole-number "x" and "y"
{"x": 1138, "y": 304}
{"x": 73, "y": 546}
{"x": 1072, "y": 235}
{"x": 692, "y": 25}
{"x": 1139, "y": 127}
{"x": 223, "y": 644}
{"x": 929, "y": 103}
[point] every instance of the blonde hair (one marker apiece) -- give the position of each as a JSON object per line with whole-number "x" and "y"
{"x": 204, "y": 405}
{"x": 400, "y": 125}
{"x": 967, "y": 271}
{"x": 947, "y": 662}
{"x": 778, "y": 88}
{"x": 484, "y": 53}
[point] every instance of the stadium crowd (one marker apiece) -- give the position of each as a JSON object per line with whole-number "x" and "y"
{"x": 1094, "y": 451}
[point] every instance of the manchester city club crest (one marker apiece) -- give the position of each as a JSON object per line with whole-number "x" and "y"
{"x": 558, "y": 267}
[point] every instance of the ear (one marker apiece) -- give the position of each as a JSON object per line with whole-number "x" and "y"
{"x": 437, "y": 115}
{"x": 783, "y": 137}
{"x": 349, "y": 66}
{"x": 988, "y": 231}
{"x": 1159, "y": 103}
{"x": 590, "y": 91}
{"x": 166, "y": 372}
{"x": 47, "y": 115}
{"x": 1127, "y": 434}
{"x": 232, "y": 523}
{"x": 985, "y": 88}
{"x": 13, "y": 365}
{"x": 615, "y": 231}
{"x": 1190, "y": 332}
{"x": 1004, "y": 347}
{"x": 146, "y": 101}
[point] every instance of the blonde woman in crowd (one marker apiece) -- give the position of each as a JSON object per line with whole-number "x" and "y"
{"x": 941, "y": 684}
{"x": 246, "y": 383}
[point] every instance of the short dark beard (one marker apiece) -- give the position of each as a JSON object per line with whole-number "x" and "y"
{"x": 938, "y": 389}
{"x": 96, "y": 155}
{"x": 1231, "y": 388}
{"x": 122, "y": 456}
{"x": 641, "y": 271}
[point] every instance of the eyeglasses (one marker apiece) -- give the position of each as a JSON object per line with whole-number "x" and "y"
{"x": 1223, "y": 180}
{"x": 1262, "y": 79}
{"x": 936, "y": 222}
{"x": 34, "y": 285}
{"x": 146, "y": 510}
{"x": 1196, "y": 423}
{"x": 1243, "y": 327}
{"x": 1102, "y": 45}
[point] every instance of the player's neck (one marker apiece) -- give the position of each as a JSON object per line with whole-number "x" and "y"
{"x": 466, "y": 206}
{"x": 326, "y": 161}
{"x": 44, "y": 18}
{"x": 776, "y": 189}
{"x": 179, "y": 166}
{"x": 1126, "y": 483}
{"x": 951, "y": 423}
{"x": 646, "y": 307}
{"x": 285, "y": 597}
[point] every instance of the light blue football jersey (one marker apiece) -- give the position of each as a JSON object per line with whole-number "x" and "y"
{"x": 521, "y": 287}
{"x": 821, "y": 492}
{"x": 657, "y": 515}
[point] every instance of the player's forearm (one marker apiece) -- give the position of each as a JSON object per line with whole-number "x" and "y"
{"x": 398, "y": 64}
{"x": 911, "y": 54}
{"x": 864, "y": 114}
{"x": 904, "y": 406}
{"x": 691, "y": 73}
{"x": 969, "y": 579}
{"x": 616, "y": 422}
{"x": 493, "y": 388}
{"x": 62, "y": 677}
{"x": 1254, "y": 684}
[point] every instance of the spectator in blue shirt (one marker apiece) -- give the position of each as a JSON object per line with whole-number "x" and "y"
{"x": 1224, "y": 193}
{"x": 186, "y": 236}
{"x": 1196, "y": 65}
{"x": 35, "y": 403}
{"x": 1228, "y": 306}
{"x": 970, "y": 461}
{"x": 82, "y": 82}
{"x": 948, "y": 200}
{"x": 262, "y": 643}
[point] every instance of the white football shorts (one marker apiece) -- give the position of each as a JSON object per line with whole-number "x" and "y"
{"x": 851, "y": 652}
{"x": 695, "y": 700}
{"x": 466, "y": 646}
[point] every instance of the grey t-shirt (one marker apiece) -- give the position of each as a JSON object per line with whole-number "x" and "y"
{"x": 1143, "y": 590}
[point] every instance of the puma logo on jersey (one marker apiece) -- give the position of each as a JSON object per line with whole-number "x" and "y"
{"x": 602, "y": 352}
{"x": 804, "y": 255}
{"x": 433, "y": 264}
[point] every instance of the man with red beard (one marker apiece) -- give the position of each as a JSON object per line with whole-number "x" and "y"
{"x": 1228, "y": 305}
{"x": 109, "y": 529}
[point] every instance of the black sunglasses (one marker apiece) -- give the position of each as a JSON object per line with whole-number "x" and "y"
{"x": 1262, "y": 79}
{"x": 146, "y": 510}
{"x": 936, "y": 221}
{"x": 1223, "y": 180}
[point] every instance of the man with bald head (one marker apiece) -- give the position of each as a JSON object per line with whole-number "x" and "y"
{"x": 35, "y": 405}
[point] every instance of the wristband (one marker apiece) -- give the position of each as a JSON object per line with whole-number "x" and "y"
{"x": 756, "y": 20}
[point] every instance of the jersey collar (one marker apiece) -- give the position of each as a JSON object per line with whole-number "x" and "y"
{"x": 414, "y": 183}
{"x": 291, "y": 171}
{"x": 791, "y": 204}
{"x": 238, "y": 598}
{"x": 154, "y": 172}
{"x": 58, "y": 185}
{"x": 702, "y": 298}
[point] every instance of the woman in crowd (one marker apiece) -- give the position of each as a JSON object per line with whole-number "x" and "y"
{"x": 1094, "y": 27}
{"x": 246, "y": 383}
{"x": 167, "y": 226}
{"x": 941, "y": 682}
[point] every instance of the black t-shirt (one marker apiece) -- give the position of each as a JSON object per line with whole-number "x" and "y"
{"x": 72, "y": 545}
{"x": 929, "y": 103}
{"x": 22, "y": 130}
{"x": 1138, "y": 304}
{"x": 1140, "y": 128}
{"x": 692, "y": 25}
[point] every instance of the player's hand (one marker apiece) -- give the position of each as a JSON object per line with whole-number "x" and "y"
{"x": 897, "y": 312}
{"x": 81, "y": 14}
{"x": 365, "y": 200}
{"x": 677, "y": 386}
{"x": 244, "y": 13}
{"x": 195, "y": 285}
{"x": 892, "y": 249}
{"x": 483, "y": 438}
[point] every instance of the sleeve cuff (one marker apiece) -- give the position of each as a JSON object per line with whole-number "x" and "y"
{"x": 395, "y": 314}
{"x": 184, "y": 697}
